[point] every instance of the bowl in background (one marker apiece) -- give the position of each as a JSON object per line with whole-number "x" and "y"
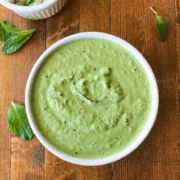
{"x": 40, "y": 11}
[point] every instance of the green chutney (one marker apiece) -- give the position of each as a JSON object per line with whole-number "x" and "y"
{"x": 91, "y": 98}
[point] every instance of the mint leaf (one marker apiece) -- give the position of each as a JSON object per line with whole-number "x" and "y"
{"x": 14, "y": 37}
{"x": 161, "y": 27}
{"x": 1, "y": 34}
{"x": 7, "y": 35}
{"x": 18, "y": 123}
{"x": 22, "y": 35}
{"x": 14, "y": 30}
{"x": 28, "y": 2}
{"x": 9, "y": 47}
{"x": 17, "y": 38}
{"x": 25, "y": 39}
{"x": 9, "y": 27}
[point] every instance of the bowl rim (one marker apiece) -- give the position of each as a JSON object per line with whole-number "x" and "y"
{"x": 143, "y": 134}
{"x": 38, "y": 7}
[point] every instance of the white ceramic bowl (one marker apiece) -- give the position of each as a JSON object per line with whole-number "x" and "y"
{"x": 147, "y": 128}
{"x": 41, "y": 11}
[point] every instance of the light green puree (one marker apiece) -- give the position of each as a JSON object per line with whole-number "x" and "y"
{"x": 91, "y": 98}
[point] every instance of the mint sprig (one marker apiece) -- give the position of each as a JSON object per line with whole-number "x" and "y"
{"x": 1, "y": 34}
{"x": 28, "y": 2}
{"x": 18, "y": 123}
{"x": 12, "y": 37}
{"x": 161, "y": 27}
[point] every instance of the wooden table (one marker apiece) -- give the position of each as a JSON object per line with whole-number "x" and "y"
{"x": 158, "y": 157}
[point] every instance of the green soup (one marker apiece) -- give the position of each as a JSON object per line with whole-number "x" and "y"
{"x": 91, "y": 98}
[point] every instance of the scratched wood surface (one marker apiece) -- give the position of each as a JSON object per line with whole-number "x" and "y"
{"x": 158, "y": 157}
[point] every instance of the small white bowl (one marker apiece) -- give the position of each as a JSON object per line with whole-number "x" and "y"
{"x": 147, "y": 128}
{"x": 40, "y": 11}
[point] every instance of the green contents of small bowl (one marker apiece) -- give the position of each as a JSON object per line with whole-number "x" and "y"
{"x": 26, "y": 2}
{"x": 91, "y": 98}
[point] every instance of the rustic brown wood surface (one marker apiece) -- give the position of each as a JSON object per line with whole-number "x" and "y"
{"x": 158, "y": 157}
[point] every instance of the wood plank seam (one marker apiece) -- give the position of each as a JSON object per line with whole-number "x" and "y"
{"x": 178, "y": 12}
{"x": 177, "y": 4}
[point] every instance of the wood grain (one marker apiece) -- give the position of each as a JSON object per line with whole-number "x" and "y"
{"x": 95, "y": 15}
{"x": 6, "y": 71}
{"x": 63, "y": 24}
{"x": 17, "y": 157}
{"x": 23, "y": 164}
{"x": 158, "y": 157}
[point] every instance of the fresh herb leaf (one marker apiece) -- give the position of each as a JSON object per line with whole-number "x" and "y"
{"x": 9, "y": 27}
{"x": 9, "y": 47}
{"x": 28, "y": 2}
{"x": 20, "y": 37}
{"x": 1, "y": 34}
{"x": 17, "y": 38}
{"x": 18, "y": 123}
{"x": 14, "y": 37}
{"x": 15, "y": 30}
{"x": 7, "y": 35}
{"x": 25, "y": 39}
{"x": 161, "y": 26}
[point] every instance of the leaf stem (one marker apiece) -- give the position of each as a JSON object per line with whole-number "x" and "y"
{"x": 153, "y": 10}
